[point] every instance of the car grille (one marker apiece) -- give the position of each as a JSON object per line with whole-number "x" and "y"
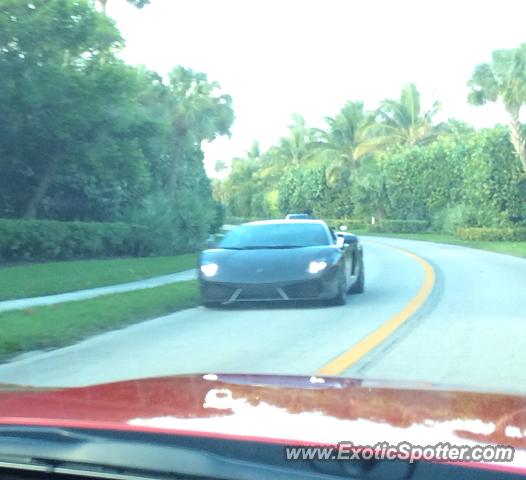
{"x": 309, "y": 289}
{"x": 218, "y": 292}
{"x": 259, "y": 292}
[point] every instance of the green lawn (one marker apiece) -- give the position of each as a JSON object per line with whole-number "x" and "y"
{"x": 63, "y": 324}
{"x": 517, "y": 249}
{"x": 37, "y": 279}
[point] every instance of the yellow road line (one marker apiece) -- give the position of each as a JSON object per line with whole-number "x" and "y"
{"x": 364, "y": 346}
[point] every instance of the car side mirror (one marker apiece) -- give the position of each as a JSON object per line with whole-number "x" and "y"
{"x": 210, "y": 242}
{"x": 340, "y": 242}
{"x": 351, "y": 239}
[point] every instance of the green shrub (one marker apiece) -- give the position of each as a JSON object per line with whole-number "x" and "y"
{"x": 218, "y": 219}
{"x": 509, "y": 234}
{"x": 38, "y": 240}
{"x": 451, "y": 218}
{"x": 384, "y": 226}
{"x": 400, "y": 226}
{"x": 350, "y": 223}
{"x": 495, "y": 184}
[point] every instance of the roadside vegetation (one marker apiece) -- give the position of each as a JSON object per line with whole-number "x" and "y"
{"x": 517, "y": 249}
{"x": 63, "y": 324}
{"x": 398, "y": 164}
{"x": 108, "y": 151}
{"x": 37, "y": 279}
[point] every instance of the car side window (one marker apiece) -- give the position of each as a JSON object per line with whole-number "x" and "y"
{"x": 333, "y": 235}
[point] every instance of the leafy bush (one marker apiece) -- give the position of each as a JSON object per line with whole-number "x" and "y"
{"x": 218, "y": 219}
{"x": 170, "y": 226}
{"x": 385, "y": 225}
{"x": 508, "y": 234}
{"x": 421, "y": 180}
{"x": 37, "y": 240}
{"x": 495, "y": 185}
{"x": 399, "y": 226}
{"x": 451, "y": 218}
{"x": 351, "y": 224}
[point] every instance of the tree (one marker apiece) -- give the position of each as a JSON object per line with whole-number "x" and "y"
{"x": 505, "y": 81}
{"x": 402, "y": 121}
{"x": 198, "y": 112}
{"x": 347, "y": 141}
{"x": 348, "y": 137}
{"x": 50, "y": 90}
{"x": 299, "y": 147}
{"x": 241, "y": 187}
{"x": 220, "y": 166}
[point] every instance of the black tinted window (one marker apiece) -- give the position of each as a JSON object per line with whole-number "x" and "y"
{"x": 276, "y": 234}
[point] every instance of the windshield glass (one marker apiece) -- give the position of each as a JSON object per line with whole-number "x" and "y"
{"x": 276, "y": 235}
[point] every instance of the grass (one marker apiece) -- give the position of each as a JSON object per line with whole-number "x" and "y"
{"x": 63, "y": 324}
{"x": 37, "y": 279}
{"x": 517, "y": 249}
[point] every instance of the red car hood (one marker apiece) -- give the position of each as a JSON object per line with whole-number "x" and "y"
{"x": 280, "y": 409}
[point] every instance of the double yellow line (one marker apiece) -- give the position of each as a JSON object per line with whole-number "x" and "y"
{"x": 364, "y": 346}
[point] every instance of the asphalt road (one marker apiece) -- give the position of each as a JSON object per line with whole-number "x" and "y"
{"x": 470, "y": 332}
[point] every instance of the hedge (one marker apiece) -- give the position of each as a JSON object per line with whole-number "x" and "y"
{"x": 351, "y": 224}
{"x": 509, "y": 234}
{"x": 384, "y": 225}
{"x": 37, "y": 240}
{"x": 399, "y": 226}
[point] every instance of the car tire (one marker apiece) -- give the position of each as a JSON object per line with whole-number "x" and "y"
{"x": 341, "y": 296}
{"x": 359, "y": 285}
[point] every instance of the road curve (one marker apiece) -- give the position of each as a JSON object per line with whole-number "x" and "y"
{"x": 470, "y": 332}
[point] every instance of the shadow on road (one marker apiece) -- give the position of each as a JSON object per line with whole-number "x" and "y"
{"x": 277, "y": 305}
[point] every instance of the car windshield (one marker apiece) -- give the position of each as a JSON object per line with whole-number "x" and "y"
{"x": 276, "y": 235}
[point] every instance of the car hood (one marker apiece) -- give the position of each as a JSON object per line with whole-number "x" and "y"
{"x": 267, "y": 265}
{"x": 281, "y": 409}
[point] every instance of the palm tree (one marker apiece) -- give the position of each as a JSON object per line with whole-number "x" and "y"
{"x": 347, "y": 141}
{"x": 402, "y": 121}
{"x": 198, "y": 113}
{"x": 349, "y": 135}
{"x": 300, "y": 146}
{"x": 504, "y": 80}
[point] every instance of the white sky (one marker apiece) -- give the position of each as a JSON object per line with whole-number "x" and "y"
{"x": 277, "y": 57}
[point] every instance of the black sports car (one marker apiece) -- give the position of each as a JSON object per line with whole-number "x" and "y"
{"x": 282, "y": 260}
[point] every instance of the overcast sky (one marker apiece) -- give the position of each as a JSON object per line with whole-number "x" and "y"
{"x": 278, "y": 57}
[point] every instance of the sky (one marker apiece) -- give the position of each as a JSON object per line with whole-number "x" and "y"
{"x": 279, "y": 57}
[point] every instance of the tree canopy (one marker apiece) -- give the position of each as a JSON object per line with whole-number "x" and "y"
{"x": 504, "y": 80}
{"x": 84, "y": 136}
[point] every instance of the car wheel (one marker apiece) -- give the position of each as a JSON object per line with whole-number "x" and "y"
{"x": 359, "y": 285}
{"x": 341, "y": 296}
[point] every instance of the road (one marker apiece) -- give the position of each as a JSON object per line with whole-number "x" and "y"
{"x": 469, "y": 332}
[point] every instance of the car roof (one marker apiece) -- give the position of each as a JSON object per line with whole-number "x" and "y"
{"x": 287, "y": 221}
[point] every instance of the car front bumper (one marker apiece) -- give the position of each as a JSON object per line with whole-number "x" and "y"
{"x": 317, "y": 288}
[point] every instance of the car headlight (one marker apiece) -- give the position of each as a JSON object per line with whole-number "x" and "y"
{"x": 317, "y": 266}
{"x": 209, "y": 269}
